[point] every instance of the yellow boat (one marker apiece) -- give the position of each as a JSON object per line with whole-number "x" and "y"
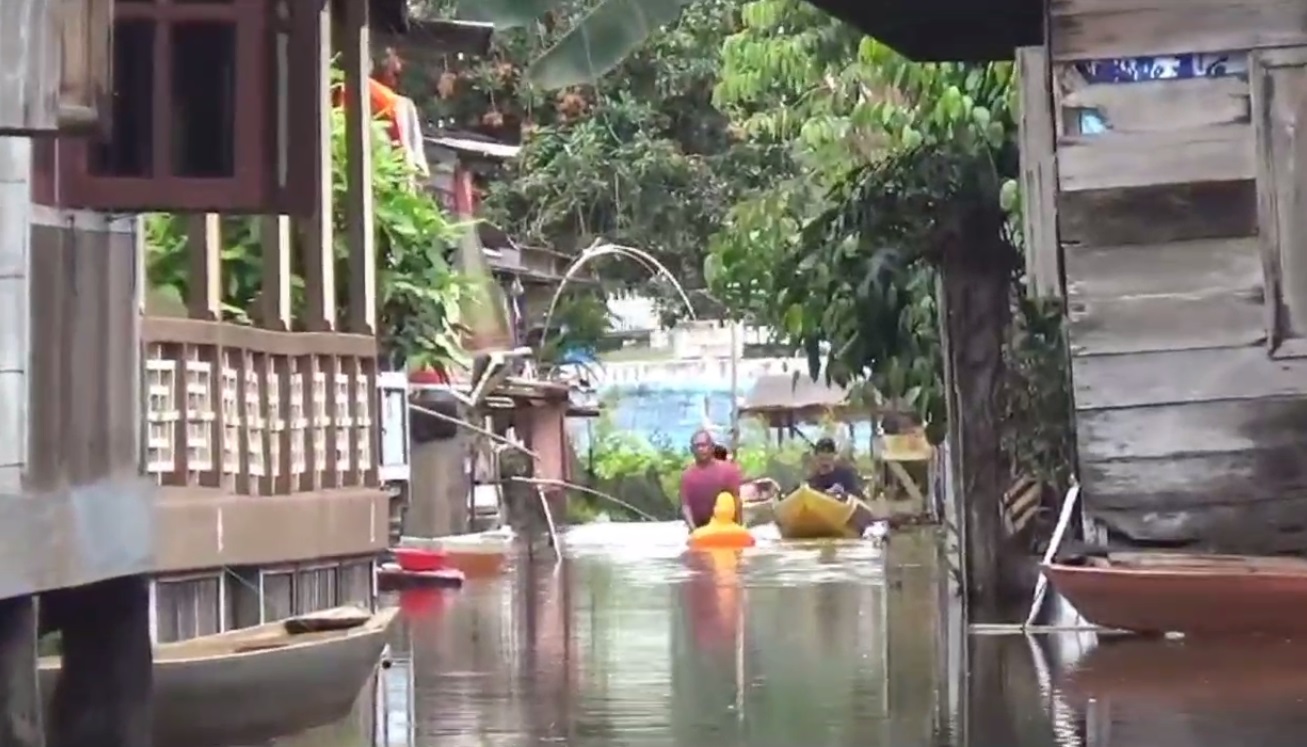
{"x": 811, "y": 514}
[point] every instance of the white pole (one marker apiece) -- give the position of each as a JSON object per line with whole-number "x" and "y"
{"x": 1063, "y": 520}
{"x": 735, "y": 386}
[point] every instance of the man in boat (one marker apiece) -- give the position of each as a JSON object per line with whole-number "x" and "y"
{"x": 831, "y": 477}
{"x": 705, "y": 479}
{"x": 841, "y": 481}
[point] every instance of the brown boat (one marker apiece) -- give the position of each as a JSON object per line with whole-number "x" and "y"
{"x": 252, "y": 685}
{"x": 1192, "y": 594}
{"x": 1227, "y": 671}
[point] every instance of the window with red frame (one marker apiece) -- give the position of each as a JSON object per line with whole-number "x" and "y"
{"x": 205, "y": 94}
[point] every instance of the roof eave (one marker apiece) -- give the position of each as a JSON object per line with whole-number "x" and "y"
{"x": 940, "y": 30}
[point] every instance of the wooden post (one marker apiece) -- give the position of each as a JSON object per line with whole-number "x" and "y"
{"x": 274, "y": 296}
{"x": 204, "y": 250}
{"x": 275, "y": 371}
{"x": 316, "y": 236}
{"x": 1038, "y": 173}
{"x": 20, "y": 692}
{"x": 103, "y": 695}
{"x": 358, "y": 171}
{"x": 359, "y": 228}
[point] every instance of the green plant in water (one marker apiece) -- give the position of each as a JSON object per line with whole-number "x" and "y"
{"x": 419, "y": 292}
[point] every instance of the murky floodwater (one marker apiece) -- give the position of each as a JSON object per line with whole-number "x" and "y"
{"x": 630, "y": 642}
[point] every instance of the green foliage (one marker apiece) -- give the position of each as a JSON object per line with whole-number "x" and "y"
{"x": 838, "y": 261}
{"x": 643, "y": 158}
{"x": 647, "y": 472}
{"x": 418, "y": 291}
{"x": 1040, "y": 435}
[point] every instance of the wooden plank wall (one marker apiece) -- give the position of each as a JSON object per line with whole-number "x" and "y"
{"x": 1189, "y": 431}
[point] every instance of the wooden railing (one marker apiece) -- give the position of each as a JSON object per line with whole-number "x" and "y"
{"x": 257, "y": 412}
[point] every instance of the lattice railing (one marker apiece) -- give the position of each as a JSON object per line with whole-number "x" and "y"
{"x": 258, "y": 412}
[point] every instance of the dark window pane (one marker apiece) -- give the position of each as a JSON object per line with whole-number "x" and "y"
{"x": 128, "y": 152}
{"x": 204, "y": 99}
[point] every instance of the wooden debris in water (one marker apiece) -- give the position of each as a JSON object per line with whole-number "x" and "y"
{"x": 1019, "y": 629}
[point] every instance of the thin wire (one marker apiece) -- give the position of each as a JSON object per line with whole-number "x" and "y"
{"x": 475, "y": 429}
{"x": 564, "y": 484}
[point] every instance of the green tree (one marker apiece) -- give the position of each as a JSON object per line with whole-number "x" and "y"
{"x": 856, "y": 295}
{"x": 641, "y": 158}
{"x": 915, "y": 160}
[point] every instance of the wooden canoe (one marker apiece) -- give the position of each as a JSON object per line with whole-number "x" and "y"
{"x": 253, "y": 685}
{"x": 811, "y": 514}
{"x": 1192, "y": 594}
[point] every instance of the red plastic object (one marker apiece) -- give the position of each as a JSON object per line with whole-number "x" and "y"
{"x": 419, "y": 560}
{"x": 418, "y": 603}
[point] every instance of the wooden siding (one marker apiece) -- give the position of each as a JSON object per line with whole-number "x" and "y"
{"x": 1188, "y": 432}
{"x": 84, "y": 392}
{"x": 29, "y": 88}
{"x": 1096, "y": 29}
{"x": 1182, "y": 295}
{"x": 1146, "y": 158}
{"x": 57, "y": 65}
{"x": 189, "y": 607}
{"x": 1157, "y": 214}
{"x": 1038, "y": 173}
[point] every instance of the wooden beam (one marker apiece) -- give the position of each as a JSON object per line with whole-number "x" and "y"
{"x": 357, "y": 61}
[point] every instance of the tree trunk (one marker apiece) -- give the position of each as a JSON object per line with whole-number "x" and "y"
{"x": 975, "y": 280}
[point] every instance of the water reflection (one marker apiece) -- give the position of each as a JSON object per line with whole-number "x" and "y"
{"x": 1193, "y": 693}
{"x": 631, "y": 642}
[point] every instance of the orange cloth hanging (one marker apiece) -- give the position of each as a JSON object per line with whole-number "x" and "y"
{"x": 383, "y": 101}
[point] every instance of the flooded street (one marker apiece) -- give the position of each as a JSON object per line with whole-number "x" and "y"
{"x": 630, "y": 642}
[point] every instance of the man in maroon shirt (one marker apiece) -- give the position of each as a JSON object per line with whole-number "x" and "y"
{"x": 705, "y": 479}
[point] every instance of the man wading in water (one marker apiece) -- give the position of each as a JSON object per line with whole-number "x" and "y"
{"x": 705, "y": 479}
